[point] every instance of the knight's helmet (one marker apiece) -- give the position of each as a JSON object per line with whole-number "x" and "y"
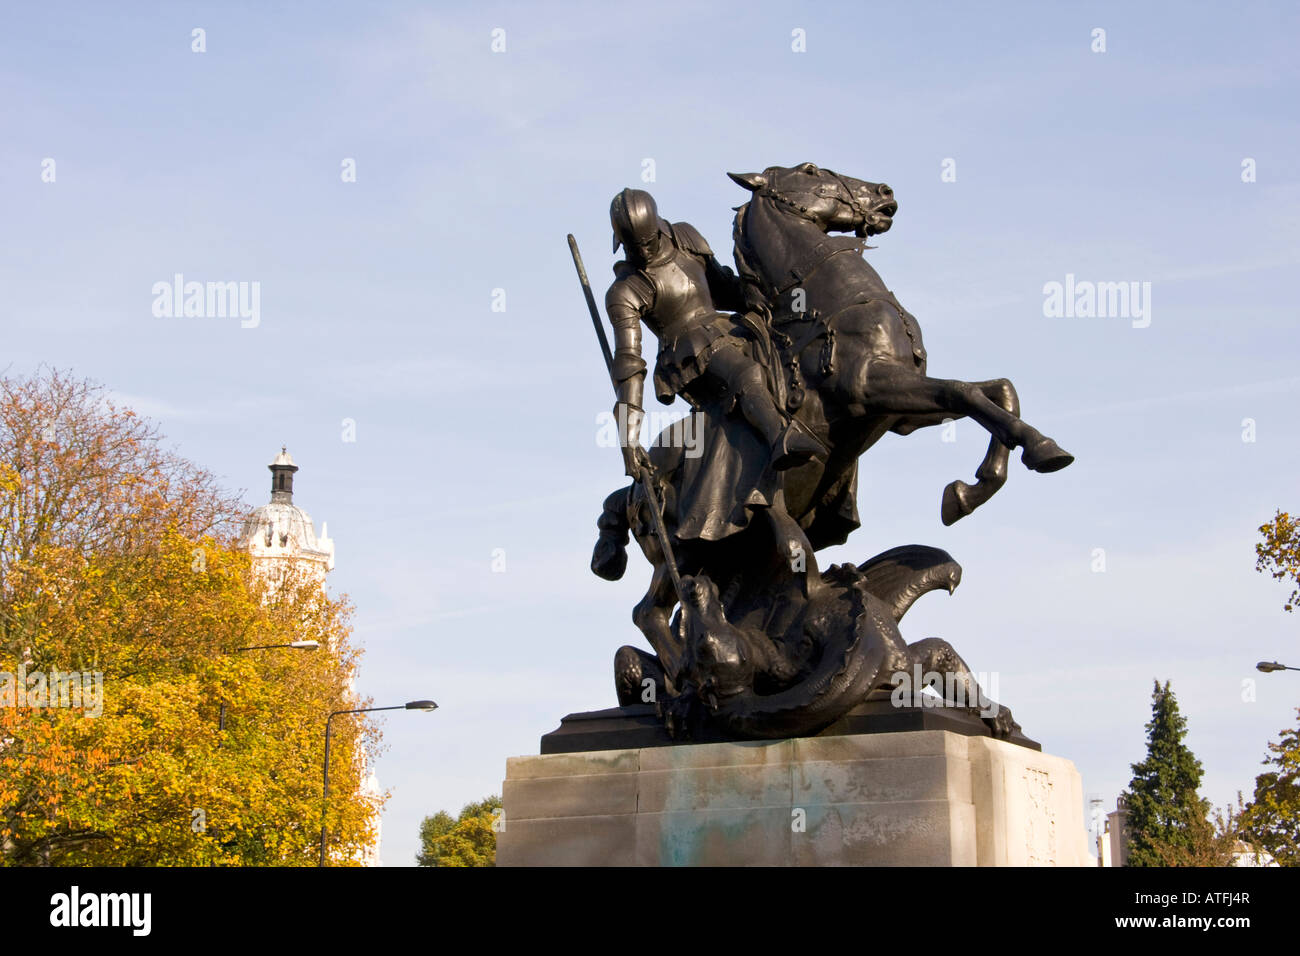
{"x": 635, "y": 219}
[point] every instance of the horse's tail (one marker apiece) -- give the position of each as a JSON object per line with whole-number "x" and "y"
{"x": 609, "y": 557}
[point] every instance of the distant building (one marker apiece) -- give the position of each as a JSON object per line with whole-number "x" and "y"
{"x": 1112, "y": 843}
{"x": 281, "y": 538}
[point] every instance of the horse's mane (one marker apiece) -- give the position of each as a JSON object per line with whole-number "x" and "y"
{"x": 741, "y": 251}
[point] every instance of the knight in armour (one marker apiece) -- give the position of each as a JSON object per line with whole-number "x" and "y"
{"x": 672, "y": 282}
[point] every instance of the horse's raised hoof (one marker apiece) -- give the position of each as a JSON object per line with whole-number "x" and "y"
{"x": 956, "y": 502}
{"x": 1045, "y": 456}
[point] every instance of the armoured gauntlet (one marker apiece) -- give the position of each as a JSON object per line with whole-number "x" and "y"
{"x": 629, "y": 418}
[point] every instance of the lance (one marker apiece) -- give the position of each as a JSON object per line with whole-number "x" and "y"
{"x": 645, "y": 478}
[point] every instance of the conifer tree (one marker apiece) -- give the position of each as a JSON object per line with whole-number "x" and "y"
{"x": 1167, "y": 819}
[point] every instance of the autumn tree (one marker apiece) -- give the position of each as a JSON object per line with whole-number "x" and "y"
{"x": 1168, "y": 822}
{"x": 470, "y": 839}
{"x": 120, "y": 563}
{"x": 1278, "y": 554}
{"x": 1273, "y": 818}
{"x": 1212, "y": 839}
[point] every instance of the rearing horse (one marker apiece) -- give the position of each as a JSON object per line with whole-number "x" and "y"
{"x": 824, "y": 296}
{"x": 847, "y": 359}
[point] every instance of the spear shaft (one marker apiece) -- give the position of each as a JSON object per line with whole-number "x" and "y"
{"x": 645, "y": 478}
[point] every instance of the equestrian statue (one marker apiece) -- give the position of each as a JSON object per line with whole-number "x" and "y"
{"x": 793, "y": 365}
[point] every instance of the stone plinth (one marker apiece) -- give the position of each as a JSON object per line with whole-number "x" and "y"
{"x": 639, "y": 725}
{"x": 922, "y": 798}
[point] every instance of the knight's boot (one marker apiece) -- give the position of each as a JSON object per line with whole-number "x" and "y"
{"x": 795, "y": 445}
{"x": 609, "y": 557}
{"x": 791, "y": 442}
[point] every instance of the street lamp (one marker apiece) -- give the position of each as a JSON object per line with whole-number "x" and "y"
{"x": 296, "y": 645}
{"x": 325, "y": 798}
{"x": 1268, "y": 666}
{"x": 293, "y": 645}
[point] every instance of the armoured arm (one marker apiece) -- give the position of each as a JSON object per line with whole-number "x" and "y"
{"x": 628, "y": 299}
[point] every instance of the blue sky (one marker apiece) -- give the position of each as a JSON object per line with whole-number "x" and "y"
{"x": 476, "y": 430}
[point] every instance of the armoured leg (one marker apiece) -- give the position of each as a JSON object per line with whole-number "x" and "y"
{"x": 609, "y": 557}
{"x": 791, "y": 445}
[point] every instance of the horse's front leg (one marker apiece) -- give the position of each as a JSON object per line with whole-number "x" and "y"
{"x": 960, "y": 498}
{"x": 891, "y": 387}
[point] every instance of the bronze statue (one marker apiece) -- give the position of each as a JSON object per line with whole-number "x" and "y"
{"x": 817, "y": 362}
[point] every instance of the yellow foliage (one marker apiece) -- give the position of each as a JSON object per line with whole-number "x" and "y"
{"x": 97, "y": 534}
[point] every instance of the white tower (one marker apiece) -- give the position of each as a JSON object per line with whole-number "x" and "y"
{"x": 280, "y": 537}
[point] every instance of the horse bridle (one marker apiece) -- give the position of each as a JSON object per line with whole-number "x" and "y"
{"x": 851, "y": 201}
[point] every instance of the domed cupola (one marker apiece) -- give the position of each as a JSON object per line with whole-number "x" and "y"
{"x": 280, "y": 531}
{"x": 282, "y": 470}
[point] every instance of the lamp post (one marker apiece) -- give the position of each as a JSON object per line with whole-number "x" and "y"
{"x": 1268, "y": 666}
{"x": 325, "y": 797}
{"x": 293, "y": 645}
{"x": 296, "y": 645}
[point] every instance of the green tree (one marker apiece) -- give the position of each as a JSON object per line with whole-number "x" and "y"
{"x": 1168, "y": 822}
{"x": 1272, "y": 821}
{"x": 470, "y": 839}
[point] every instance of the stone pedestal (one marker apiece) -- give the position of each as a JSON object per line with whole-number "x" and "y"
{"x": 920, "y": 798}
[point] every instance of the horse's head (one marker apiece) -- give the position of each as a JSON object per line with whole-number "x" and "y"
{"x": 833, "y": 202}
